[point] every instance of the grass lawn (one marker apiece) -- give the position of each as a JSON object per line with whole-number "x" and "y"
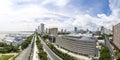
{"x": 6, "y": 57}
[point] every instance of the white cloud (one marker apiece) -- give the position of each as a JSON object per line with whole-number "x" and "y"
{"x": 22, "y": 18}
{"x": 16, "y": 18}
{"x": 103, "y": 20}
{"x": 5, "y": 6}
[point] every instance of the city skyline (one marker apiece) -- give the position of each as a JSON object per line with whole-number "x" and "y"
{"x": 25, "y": 15}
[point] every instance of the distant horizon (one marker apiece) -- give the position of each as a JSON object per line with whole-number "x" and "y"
{"x": 10, "y": 32}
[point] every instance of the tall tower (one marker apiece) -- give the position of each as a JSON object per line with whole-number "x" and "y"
{"x": 61, "y": 30}
{"x": 41, "y": 28}
{"x": 75, "y": 29}
{"x": 102, "y": 29}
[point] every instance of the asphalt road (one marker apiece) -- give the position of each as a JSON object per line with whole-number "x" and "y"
{"x": 24, "y": 55}
{"x": 109, "y": 47}
{"x": 50, "y": 53}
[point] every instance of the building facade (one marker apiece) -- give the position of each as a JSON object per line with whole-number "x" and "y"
{"x": 106, "y": 31}
{"x": 41, "y": 28}
{"x": 53, "y": 31}
{"x": 116, "y": 36}
{"x": 75, "y": 29}
{"x": 80, "y": 45}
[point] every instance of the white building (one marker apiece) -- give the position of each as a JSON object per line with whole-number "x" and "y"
{"x": 41, "y": 28}
{"x": 106, "y": 31}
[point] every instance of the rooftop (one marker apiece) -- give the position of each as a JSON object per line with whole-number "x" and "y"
{"x": 82, "y": 38}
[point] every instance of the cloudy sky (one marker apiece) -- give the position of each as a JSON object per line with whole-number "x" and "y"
{"x": 26, "y": 15}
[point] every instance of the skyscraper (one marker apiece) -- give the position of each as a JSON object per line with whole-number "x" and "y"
{"x": 102, "y": 29}
{"x": 61, "y": 30}
{"x": 75, "y": 29}
{"x": 41, "y": 28}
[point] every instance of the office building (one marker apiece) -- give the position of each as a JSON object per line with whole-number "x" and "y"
{"x": 53, "y": 31}
{"x": 62, "y": 31}
{"x": 47, "y": 30}
{"x": 105, "y": 31}
{"x": 81, "y": 31}
{"x": 75, "y": 29}
{"x": 102, "y": 29}
{"x": 41, "y": 28}
{"x": 116, "y": 36}
{"x": 78, "y": 44}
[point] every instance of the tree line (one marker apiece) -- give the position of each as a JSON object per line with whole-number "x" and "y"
{"x": 5, "y": 48}
{"x": 26, "y": 43}
{"x": 64, "y": 56}
{"x": 41, "y": 54}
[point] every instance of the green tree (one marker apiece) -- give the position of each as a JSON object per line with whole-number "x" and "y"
{"x": 45, "y": 37}
{"x": 42, "y": 55}
{"x": 104, "y": 53}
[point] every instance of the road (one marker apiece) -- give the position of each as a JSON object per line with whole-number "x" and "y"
{"x": 50, "y": 53}
{"x": 107, "y": 42}
{"x": 24, "y": 55}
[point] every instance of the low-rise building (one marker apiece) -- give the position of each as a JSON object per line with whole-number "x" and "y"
{"x": 78, "y": 44}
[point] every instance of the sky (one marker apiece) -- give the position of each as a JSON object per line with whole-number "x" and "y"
{"x": 26, "y": 15}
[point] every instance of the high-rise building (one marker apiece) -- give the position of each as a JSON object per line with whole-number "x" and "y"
{"x": 116, "y": 36}
{"x": 75, "y": 29}
{"x": 41, "y": 28}
{"x": 107, "y": 31}
{"x": 47, "y": 30}
{"x": 102, "y": 29}
{"x": 53, "y": 31}
{"x": 81, "y": 31}
{"x": 65, "y": 31}
{"x": 61, "y": 30}
{"x": 38, "y": 30}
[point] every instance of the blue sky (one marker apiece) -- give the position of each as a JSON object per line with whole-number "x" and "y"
{"x": 20, "y": 15}
{"x": 93, "y": 6}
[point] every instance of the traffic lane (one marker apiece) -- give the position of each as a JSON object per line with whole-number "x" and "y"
{"x": 25, "y": 54}
{"x": 49, "y": 51}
